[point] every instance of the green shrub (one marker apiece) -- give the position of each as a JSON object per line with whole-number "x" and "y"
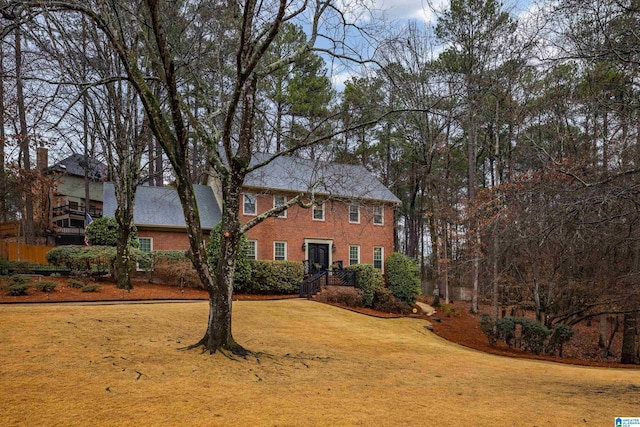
{"x": 534, "y": 335}
{"x": 488, "y": 327}
{"x": 104, "y": 231}
{"x": 169, "y": 257}
{"x": 18, "y": 279}
{"x": 345, "y": 295}
{"x": 91, "y": 288}
{"x": 560, "y": 335}
{"x": 274, "y": 277}
{"x": 17, "y": 289}
{"x": 242, "y": 278}
{"x": 449, "y": 310}
{"x": 76, "y": 283}
{"x": 385, "y": 301}
{"x": 45, "y": 285}
{"x": 4, "y": 267}
{"x": 368, "y": 280}
{"x": 21, "y": 267}
{"x": 506, "y": 329}
{"x": 84, "y": 260}
{"x": 402, "y": 277}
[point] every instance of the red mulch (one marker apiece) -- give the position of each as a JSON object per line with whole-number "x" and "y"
{"x": 581, "y": 350}
{"x": 463, "y": 329}
{"x": 142, "y": 291}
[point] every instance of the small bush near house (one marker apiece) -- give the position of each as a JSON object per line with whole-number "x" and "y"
{"x": 16, "y": 290}
{"x": 20, "y": 280}
{"x": 91, "y": 288}
{"x": 45, "y": 285}
{"x": 402, "y": 277}
{"x": 274, "y": 277}
{"x": 76, "y": 283}
{"x": 385, "y": 301}
{"x": 177, "y": 273}
{"x": 104, "y": 231}
{"x": 345, "y": 295}
{"x": 368, "y": 280}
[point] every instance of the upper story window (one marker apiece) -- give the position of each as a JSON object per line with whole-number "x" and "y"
{"x": 279, "y": 201}
{"x": 252, "y": 253}
{"x": 354, "y": 214}
{"x": 318, "y": 211}
{"x": 378, "y": 215}
{"x": 250, "y": 204}
{"x": 378, "y": 256}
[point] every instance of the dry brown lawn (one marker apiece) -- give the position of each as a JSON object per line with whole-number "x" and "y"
{"x": 314, "y": 364}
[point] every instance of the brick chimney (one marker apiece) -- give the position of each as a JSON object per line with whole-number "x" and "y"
{"x": 42, "y": 158}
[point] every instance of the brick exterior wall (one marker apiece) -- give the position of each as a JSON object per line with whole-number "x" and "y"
{"x": 299, "y": 227}
{"x": 167, "y": 240}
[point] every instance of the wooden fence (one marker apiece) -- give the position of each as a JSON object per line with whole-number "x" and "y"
{"x": 9, "y": 229}
{"x": 13, "y": 251}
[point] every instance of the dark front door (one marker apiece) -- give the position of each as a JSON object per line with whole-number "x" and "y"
{"x": 318, "y": 257}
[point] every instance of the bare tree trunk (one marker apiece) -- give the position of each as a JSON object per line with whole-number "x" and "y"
{"x": 24, "y": 139}
{"x": 629, "y": 354}
{"x": 602, "y": 336}
{"x": 3, "y": 181}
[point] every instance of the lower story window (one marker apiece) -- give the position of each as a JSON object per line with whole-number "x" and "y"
{"x": 354, "y": 255}
{"x": 146, "y": 246}
{"x": 378, "y": 256}
{"x": 252, "y": 253}
{"x": 280, "y": 251}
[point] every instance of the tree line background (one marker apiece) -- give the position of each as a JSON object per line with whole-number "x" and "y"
{"x": 511, "y": 139}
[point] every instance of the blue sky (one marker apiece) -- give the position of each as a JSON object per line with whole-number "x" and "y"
{"x": 397, "y": 13}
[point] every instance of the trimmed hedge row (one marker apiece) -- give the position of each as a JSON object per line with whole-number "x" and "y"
{"x": 273, "y": 277}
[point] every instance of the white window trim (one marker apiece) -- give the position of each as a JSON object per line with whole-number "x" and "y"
{"x": 381, "y": 215}
{"x": 255, "y": 245}
{"x": 150, "y": 251}
{"x": 284, "y": 213}
{"x": 244, "y": 205}
{"x": 358, "y": 248}
{"x": 358, "y": 211}
{"x": 285, "y": 250}
{"x": 381, "y": 257}
{"x": 322, "y": 205}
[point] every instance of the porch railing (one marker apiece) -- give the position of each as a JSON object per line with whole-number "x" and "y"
{"x": 318, "y": 277}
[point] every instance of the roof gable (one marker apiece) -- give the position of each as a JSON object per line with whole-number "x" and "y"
{"x": 75, "y": 165}
{"x": 161, "y": 207}
{"x": 288, "y": 173}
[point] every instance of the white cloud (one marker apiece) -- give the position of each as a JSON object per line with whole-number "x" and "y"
{"x": 419, "y": 10}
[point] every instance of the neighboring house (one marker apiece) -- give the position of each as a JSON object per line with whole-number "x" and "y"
{"x": 353, "y": 221}
{"x": 159, "y": 218}
{"x": 68, "y": 197}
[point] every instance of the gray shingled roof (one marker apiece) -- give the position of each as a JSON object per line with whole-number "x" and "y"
{"x": 74, "y": 165}
{"x": 160, "y": 206}
{"x": 301, "y": 175}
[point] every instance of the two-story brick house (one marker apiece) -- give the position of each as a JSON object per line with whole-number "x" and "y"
{"x": 352, "y": 220}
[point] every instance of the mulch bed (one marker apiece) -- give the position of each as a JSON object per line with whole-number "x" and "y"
{"x": 464, "y": 329}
